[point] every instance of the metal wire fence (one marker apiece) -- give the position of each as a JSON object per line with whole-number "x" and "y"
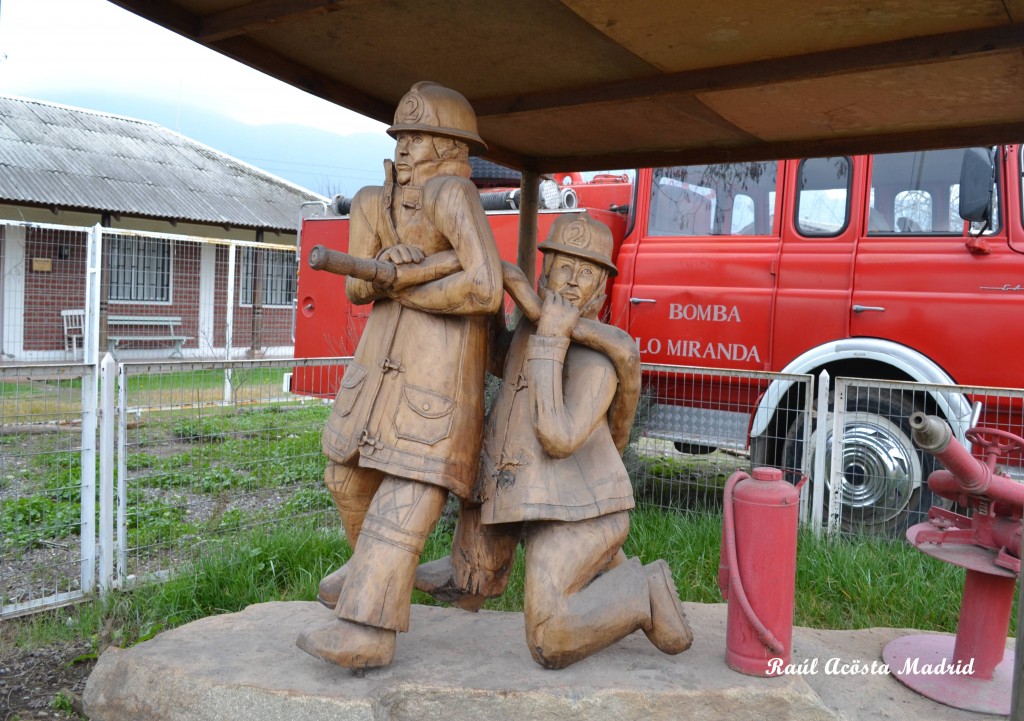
{"x": 695, "y": 427}
{"x": 879, "y": 486}
{"x": 42, "y": 272}
{"x": 203, "y": 449}
{"x": 156, "y": 295}
{"x": 208, "y": 449}
{"x": 46, "y": 500}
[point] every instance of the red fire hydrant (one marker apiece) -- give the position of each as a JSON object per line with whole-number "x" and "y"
{"x": 971, "y": 671}
{"x": 757, "y": 570}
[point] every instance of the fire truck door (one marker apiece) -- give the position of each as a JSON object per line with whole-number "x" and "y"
{"x": 703, "y": 273}
{"x": 816, "y": 264}
{"x": 919, "y": 283}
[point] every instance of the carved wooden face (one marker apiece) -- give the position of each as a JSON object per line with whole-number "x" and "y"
{"x": 575, "y": 279}
{"x": 411, "y": 149}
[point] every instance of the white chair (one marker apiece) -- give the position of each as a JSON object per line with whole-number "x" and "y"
{"x": 74, "y": 322}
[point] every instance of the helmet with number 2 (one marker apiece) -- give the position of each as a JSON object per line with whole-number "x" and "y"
{"x": 435, "y": 109}
{"x": 581, "y": 235}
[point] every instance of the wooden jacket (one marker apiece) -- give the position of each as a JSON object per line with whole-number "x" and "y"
{"x": 548, "y": 451}
{"x": 411, "y": 402}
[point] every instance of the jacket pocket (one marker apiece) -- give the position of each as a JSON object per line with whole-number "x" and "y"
{"x": 424, "y": 416}
{"x": 351, "y": 384}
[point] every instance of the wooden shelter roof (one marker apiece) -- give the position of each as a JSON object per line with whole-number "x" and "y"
{"x": 591, "y": 84}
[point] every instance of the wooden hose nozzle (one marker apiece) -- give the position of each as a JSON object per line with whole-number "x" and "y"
{"x": 334, "y": 261}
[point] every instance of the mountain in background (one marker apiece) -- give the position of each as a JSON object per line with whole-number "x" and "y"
{"x": 321, "y": 161}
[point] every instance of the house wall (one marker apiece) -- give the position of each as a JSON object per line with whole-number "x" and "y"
{"x": 53, "y": 275}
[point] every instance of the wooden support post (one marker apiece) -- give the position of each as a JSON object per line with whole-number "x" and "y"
{"x": 529, "y": 203}
{"x": 258, "y": 272}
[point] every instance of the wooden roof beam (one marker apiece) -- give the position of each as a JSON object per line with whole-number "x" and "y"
{"x": 953, "y": 137}
{"x": 262, "y": 14}
{"x": 165, "y": 14}
{"x": 878, "y": 56}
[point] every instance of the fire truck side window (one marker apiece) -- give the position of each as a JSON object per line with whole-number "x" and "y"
{"x": 917, "y": 192}
{"x": 720, "y": 199}
{"x": 823, "y": 201}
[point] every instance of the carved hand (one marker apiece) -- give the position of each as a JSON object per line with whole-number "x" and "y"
{"x": 593, "y": 306}
{"x": 399, "y": 254}
{"x": 557, "y": 316}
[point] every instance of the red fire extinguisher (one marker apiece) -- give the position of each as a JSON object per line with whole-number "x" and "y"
{"x": 757, "y": 570}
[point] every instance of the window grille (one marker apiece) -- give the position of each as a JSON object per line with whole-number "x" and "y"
{"x": 279, "y": 271}
{"x": 140, "y": 269}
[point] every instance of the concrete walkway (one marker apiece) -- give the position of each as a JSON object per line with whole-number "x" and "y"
{"x": 454, "y": 665}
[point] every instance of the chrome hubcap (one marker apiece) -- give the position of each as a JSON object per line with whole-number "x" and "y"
{"x": 880, "y": 468}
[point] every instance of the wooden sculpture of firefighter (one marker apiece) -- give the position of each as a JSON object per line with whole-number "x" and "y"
{"x": 406, "y": 425}
{"x": 552, "y": 472}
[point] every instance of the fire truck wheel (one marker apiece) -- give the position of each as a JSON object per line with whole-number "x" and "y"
{"x": 694, "y": 449}
{"x": 883, "y": 477}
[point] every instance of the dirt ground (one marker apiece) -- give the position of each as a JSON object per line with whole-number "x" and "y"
{"x": 30, "y": 679}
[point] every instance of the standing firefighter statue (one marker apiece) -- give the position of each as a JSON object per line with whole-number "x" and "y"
{"x": 406, "y": 425}
{"x": 552, "y": 471}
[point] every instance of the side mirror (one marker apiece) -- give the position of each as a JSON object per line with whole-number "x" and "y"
{"x": 976, "y": 178}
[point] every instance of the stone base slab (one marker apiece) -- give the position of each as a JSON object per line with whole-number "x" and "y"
{"x": 454, "y": 665}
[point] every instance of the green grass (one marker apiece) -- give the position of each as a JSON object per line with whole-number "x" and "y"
{"x": 222, "y": 452}
{"x": 205, "y": 379}
{"x": 839, "y": 585}
{"x": 280, "y": 564}
{"x": 25, "y": 388}
{"x": 216, "y": 452}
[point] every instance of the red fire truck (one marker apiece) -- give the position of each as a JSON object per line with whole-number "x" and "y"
{"x": 862, "y": 266}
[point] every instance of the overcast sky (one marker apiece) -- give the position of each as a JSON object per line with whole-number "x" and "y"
{"x": 50, "y": 46}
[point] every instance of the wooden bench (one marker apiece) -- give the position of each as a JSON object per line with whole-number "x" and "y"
{"x": 127, "y": 328}
{"x": 164, "y": 329}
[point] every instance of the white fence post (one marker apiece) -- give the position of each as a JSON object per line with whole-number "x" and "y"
{"x": 91, "y": 323}
{"x": 818, "y": 472}
{"x": 108, "y": 373}
{"x": 122, "y": 475}
{"x": 835, "y": 498}
{"x": 90, "y": 391}
{"x": 12, "y": 305}
{"x": 229, "y": 322}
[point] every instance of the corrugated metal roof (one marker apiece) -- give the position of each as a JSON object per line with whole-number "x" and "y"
{"x": 485, "y": 170}
{"x": 79, "y": 159}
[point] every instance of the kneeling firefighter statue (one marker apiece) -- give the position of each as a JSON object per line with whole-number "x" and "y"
{"x": 552, "y": 471}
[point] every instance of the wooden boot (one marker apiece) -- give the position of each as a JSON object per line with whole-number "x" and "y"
{"x": 349, "y": 644}
{"x": 668, "y": 629}
{"x": 330, "y": 587}
{"x": 438, "y": 579}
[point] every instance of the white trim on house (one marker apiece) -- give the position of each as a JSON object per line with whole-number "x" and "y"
{"x": 13, "y": 304}
{"x": 207, "y": 298}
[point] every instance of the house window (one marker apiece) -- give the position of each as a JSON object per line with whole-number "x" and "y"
{"x": 278, "y": 269}
{"x": 140, "y": 269}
